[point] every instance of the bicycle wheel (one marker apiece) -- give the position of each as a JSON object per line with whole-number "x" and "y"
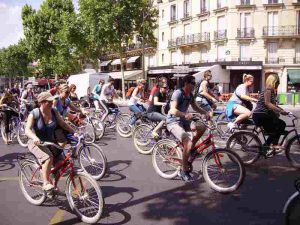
{"x": 142, "y": 139}
{"x": 291, "y": 210}
{"x": 2, "y": 128}
{"x": 21, "y": 136}
{"x": 110, "y": 121}
{"x": 98, "y": 127}
{"x": 92, "y": 160}
{"x": 223, "y": 170}
{"x": 246, "y": 144}
{"x": 123, "y": 128}
{"x": 84, "y": 197}
{"x": 293, "y": 151}
{"x": 31, "y": 187}
{"x": 166, "y": 159}
{"x": 89, "y": 133}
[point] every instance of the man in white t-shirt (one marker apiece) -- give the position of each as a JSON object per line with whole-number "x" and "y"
{"x": 106, "y": 97}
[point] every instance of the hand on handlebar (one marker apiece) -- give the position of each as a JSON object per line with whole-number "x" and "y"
{"x": 188, "y": 116}
{"x": 37, "y": 141}
{"x": 285, "y": 113}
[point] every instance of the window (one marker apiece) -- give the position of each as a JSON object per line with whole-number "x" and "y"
{"x": 273, "y": 1}
{"x": 220, "y": 4}
{"x": 245, "y": 2}
{"x": 173, "y": 33}
{"x": 152, "y": 60}
{"x": 272, "y": 52}
{"x": 203, "y": 6}
{"x": 174, "y": 58}
{"x": 245, "y": 53}
{"x": 186, "y": 9}
{"x": 221, "y": 23}
{"x": 245, "y": 22}
{"x": 297, "y": 55}
{"x": 173, "y": 12}
{"x": 204, "y": 55}
{"x": 272, "y": 23}
{"x": 298, "y": 22}
{"x": 162, "y": 58}
{"x": 204, "y": 26}
{"x": 187, "y": 57}
{"x": 162, "y": 14}
{"x": 162, "y": 36}
{"x": 221, "y": 53}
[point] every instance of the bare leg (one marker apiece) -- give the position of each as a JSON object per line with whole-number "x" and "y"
{"x": 243, "y": 114}
{"x": 46, "y": 167}
{"x": 157, "y": 128}
{"x": 187, "y": 144}
{"x": 200, "y": 129}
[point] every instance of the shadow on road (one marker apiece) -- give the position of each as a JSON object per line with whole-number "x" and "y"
{"x": 8, "y": 161}
{"x": 114, "y": 169}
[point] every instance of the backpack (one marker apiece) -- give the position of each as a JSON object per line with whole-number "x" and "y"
{"x": 197, "y": 87}
{"x": 129, "y": 92}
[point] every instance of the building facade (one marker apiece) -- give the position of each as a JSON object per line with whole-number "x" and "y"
{"x": 230, "y": 37}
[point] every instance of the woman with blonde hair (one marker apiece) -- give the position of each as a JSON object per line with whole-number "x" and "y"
{"x": 73, "y": 95}
{"x": 240, "y": 103}
{"x": 266, "y": 113}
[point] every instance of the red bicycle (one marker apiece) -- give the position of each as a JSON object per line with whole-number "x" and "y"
{"x": 82, "y": 191}
{"x": 222, "y": 168}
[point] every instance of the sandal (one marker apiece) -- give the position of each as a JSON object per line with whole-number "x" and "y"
{"x": 48, "y": 187}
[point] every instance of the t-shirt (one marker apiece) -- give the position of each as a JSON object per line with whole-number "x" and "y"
{"x": 161, "y": 98}
{"x": 183, "y": 103}
{"x": 240, "y": 90}
{"x": 107, "y": 92}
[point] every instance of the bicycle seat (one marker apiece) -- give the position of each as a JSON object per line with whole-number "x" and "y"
{"x": 247, "y": 122}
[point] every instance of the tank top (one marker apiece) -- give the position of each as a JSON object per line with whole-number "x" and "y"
{"x": 45, "y": 132}
{"x": 261, "y": 106}
{"x": 132, "y": 100}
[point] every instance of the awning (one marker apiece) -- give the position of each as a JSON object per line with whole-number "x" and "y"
{"x": 132, "y": 59}
{"x": 160, "y": 71}
{"x": 117, "y": 61}
{"x": 180, "y": 74}
{"x": 243, "y": 67}
{"x": 294, "y": 76}
{"x": 201, "y": 71}
{"x": 105, "y": 63}
{"x": 219, "y": 75}
{"x": 127, "y": 74}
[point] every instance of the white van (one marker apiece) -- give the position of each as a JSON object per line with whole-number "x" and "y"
{"x": 85, "y": 81}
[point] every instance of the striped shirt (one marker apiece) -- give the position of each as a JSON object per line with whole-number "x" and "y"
{"x": 261, "y": 104}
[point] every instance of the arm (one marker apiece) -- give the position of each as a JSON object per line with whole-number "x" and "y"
{"x": 270, "y": 105}
{"x": 28, "y": 129}
{"x": 23, "y": 97}
{"x": 206, "y": 93}
{"x": 63, "y": 124}
{"x": 248, "y": 98}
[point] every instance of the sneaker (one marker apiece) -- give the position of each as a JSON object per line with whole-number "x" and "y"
{"x": 48, "y": 187}
{"x": 231, "y": 126}
{"x": 185, "y": 176}
{"x": 155, "y": 135}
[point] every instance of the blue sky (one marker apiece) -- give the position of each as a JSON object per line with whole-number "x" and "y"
{"x": 11, "y": 29}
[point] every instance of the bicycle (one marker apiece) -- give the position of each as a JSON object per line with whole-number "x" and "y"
{"x": 168, "y": 153}
{"x": 249, "y": 147}
{"x": 83, "y": 193}
{"x": 292, "y": 206}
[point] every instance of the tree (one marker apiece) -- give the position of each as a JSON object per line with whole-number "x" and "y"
{"x": 112, "y": 23}
{"x": 53, "y": 34}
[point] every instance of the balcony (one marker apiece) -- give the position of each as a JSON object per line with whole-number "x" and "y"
{"x": 296, "y": 60}
{"x": 186, "y": 16}
{"x": 272, "y": 60}
{"x": 245, "y": 4}
{"x": 281, "y": 31}
{"x": 273, "y": 4}
{"x": 193, "y": 39}
{"x": 203, "y": 12}
{"x": 296, "y": 3}
{"x": 220, "y": 35}
{"x": 245, "y": 33}
{"x": 220, "y": 8}
{"x": 173, "y": 20}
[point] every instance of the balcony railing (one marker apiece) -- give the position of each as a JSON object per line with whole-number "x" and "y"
{"x": 173, "y": 19}
{"x": 281, "y": 31}
{"x": 296, "y": 60}
{"x": 189, "y": 39}
{"x": 272, "y": 60}
{"x": 186, "y": 15}
{"x": 245, "y": 32}
{"x": 245, "y": 2}
{"x": 220, "y": 34}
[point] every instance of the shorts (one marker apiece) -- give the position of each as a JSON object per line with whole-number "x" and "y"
{"x": 230, "y": 107}
{"x": 204, "y": 104}
{"x": 182, "y": 130}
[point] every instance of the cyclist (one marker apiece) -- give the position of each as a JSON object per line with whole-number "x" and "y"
{"x": 156, "y": 88}
{"x": 240, "y": 103}
{"x": 63, "y": 102}
{"x": 154, "y": 110}
{"x": 27, "y": 98}
{"x": 266, "y": 113}
{"x": 179, "y": 124}
{"x": 73, "y": 95}
{"x": 108, "y": 92}
{"x": 97, "y": 92}
{"x": 7, "y": 100}
{"x": 135, "y": 100}
{"x": 44, "y": 121}
{"x": 54, "y": 90}
{"x": 205, "y": 99}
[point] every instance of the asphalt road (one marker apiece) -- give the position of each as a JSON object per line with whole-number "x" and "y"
{"x": 135, "y": 194}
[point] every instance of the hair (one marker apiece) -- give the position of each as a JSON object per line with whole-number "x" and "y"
{"x": 188, "y": 79}
{"x": 110, "y": 79}
{"x": 272, "y": 80}
{"x": 139, "y": 81}
{"x": 207, "y": 73}
{"x": 247, "y": 77}
{"x": 72, "y": 86}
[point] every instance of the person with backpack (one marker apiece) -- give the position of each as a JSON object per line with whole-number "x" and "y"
{"x": 135, "y": 100}
{"x": 204, "y": 98}
{"x": 239, "y": 106}
{"x": 41, "y": 126}
{"x": 27, "y": 99}
{"x": 97, "y": 92}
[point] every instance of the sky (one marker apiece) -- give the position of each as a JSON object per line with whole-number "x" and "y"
{"x": 11, "y": 29}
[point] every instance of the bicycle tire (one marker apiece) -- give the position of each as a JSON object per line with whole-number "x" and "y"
{"x": 290, "y": 156}
{"x": 142, "y": 138}
{"x": 73, "y": 196}
{"x": 21, "y": 136}
{"x": 122, "y": 125}
{"x": 89, "y": 133}
{"x": 226, "y": 156}
{"x": 98, "y": 127}
{"x": 238, "y": 142}
{"x": 84, "y": 155}
{"x": 175, "y": 164}
{"x": 291, "y": 210}
{"x": 25, "y": 178}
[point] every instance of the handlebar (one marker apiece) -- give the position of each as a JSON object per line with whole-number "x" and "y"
{"x": 197, "y": 118}
{"x": 78, "y": 140}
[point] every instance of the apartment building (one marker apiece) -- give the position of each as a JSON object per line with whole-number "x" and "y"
{"x": 230, "y": 37}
